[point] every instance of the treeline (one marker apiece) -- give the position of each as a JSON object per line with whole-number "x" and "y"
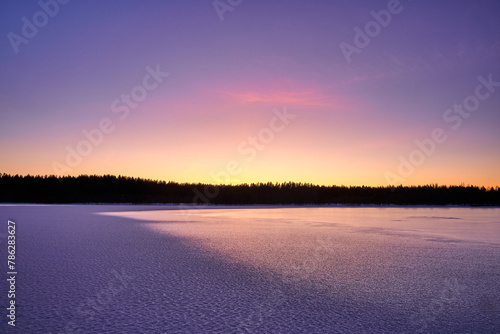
{"x": 120, "y": 189}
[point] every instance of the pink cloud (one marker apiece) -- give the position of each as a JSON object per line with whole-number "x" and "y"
{"x": 303, "y": 98}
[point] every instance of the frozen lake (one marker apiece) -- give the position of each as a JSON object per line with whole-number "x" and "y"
{"x": 158, "y": 269}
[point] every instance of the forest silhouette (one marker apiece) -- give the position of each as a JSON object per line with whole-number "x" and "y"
{"x": 121, "y": 189}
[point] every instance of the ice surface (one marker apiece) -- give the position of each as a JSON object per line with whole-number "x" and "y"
{"x": 156, "y": 269}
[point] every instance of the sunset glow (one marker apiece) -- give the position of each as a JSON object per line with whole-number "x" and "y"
{"x": 170, "y": 91}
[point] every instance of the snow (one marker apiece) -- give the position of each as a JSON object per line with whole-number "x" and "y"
{"x": 158, "y": 269}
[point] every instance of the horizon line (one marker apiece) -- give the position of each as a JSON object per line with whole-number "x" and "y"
{"x": 431, "y": 184}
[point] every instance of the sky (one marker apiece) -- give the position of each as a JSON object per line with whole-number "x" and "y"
{"x": 328, "y": 92}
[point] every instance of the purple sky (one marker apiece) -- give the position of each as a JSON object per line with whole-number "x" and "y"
{"x": 354, "y": 122}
